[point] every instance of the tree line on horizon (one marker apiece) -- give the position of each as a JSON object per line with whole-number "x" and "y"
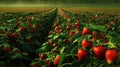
{"x": 62, "y": 1}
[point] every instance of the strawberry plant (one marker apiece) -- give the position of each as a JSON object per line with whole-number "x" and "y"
{"x": 59, "y": 39}
{"x": 80, "y": 40}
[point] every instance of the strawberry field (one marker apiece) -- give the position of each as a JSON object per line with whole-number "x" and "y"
{"x": 59, "y": 38}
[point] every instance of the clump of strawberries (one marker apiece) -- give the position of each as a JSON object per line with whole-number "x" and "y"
{"x": 99, "y": 51}
{"x": 71, "y": 43}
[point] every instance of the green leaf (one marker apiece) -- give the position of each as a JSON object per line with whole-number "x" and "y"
{"x": 100, "y": 28}
{"x": 115, "y": 37}
{"x": 16, "y": 55}
{"x": 74, "y": 50}
{"x": 44, "y": 48}
{"x": 2, "y": 64}
{"x": 79, "y": 39}
{"x": 62, "y": 49}
{"x": 62, "y": 35}
{"x": 75, "y": 36}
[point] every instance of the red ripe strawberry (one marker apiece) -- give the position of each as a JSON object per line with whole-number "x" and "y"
{"x": 111, "y": 55}
{"x": 94, "y": 34}
{"x": 43, "y": 56}
{"x": 17, "y": 34}
{"x": 86, "y": 31}
{"x": 55, "y": 45}
{"x": 10, "y": 35}
{"x": 73, "y": 26}
{"x": 77, "y": 27}
{"x": 50, "y": 33}
{"x": 11, "y": 31}
{"x": 58, "y": 31}
{"x": 6, "y": 49}
{"x": 78, "y": 31}
{"x": 30, "y": 25}
{"x": 82, "y": 54}
{"x": 2, "y": 32}
{"x": 28, "y": 39}
{"x": 68, "y": 40}
{"x": 68, "y": 28}
{"x": 104, "y": 35}
{"x": 86, "y": 43}
{"x": 77, "y": 23}
{"x": 57, "y": 28}
{"x": 35, "y": 65}
{"x": 51, "y": 64}
{"x": 17, "y": 24}
{"x": 17, "y": 51}
{"x": 99, "y": 52}
{"x": 47, "y": 61}
{"x": 94, "y": 39}
{"x": 51, "y": 42}
{"x": 71, "y": 34}
{"x": 22, "y": 29}
{"x": 57, "y": 59}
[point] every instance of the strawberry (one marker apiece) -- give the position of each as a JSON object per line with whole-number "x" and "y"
{"x": 42, "y": 56}
{"x": 57, "y": 28}
{"x": 71, "y": 34}
{"x": 55, "y": 45}
{"x": 47, "y": 61}
{"x": 68, "y": 40}
{"x": 2, "y": 32}
{"x": 78, "y": 31}
{"x": 18, "y": 35}
{"x": 57, "y": 59}
{"x": 111, "y": 56}
{"x": 86, "y": 31}
{"x": 35, "y": 65}
{"x": 58, "y": 31}
{"x": 73, "y": 26}
{"x": 11, "y": 31}
{"x": 10, "y": 35}
{"x": 51, "y": 42}
{"x": 22, "y": 29}
{"x": 94, "y": 34}
{"x": 50, "y": 33}
{"x": 77, "y": 27}
{"x": 68, "y": 28}
{"x": 99, "y": 52}
{"x": 28, "y": 39}
{"x": 15, "y": 50}
{"x": 86, "y": 43}
{"x": 17, "y": 24}
{"x": 6, "y": 49}
{"x": 30, "y": 25}
{"x": 51, "y": 64}
{"x": 77, "y": 23}
{"x": 82, "y": 54}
